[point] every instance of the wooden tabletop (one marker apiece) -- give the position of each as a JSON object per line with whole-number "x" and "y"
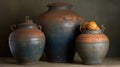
{"x": 108, "y": 62}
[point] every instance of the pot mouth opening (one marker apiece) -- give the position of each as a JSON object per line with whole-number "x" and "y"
{"x": 59, "y": 4}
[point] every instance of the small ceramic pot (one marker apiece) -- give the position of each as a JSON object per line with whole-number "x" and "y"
{"x": 92, "y": 46}
{"x": 27, "y": 42}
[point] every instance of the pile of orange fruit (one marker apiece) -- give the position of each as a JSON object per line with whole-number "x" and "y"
{"x": 92, "y": 25}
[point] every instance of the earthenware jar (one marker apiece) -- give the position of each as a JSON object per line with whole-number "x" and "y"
{"x": 27, "y": 42}
{"x": 60, "y": 25}
{"x": 92, "y": 46}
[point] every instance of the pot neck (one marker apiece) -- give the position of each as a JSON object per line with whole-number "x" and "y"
{"x": 92, "y": 31}
{"x": 28, "y": 23}
{"x": 59, "y": 6}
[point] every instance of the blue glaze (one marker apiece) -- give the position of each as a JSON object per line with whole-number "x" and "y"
{"x": 27, "y": 51}
{"x": 60, "y": 45}
{"x": 27, "y": 42}
{"x": 60, "y": 25}
{"x": 92, "y": 53}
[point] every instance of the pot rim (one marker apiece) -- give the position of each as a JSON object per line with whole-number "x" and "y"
{"x": 92, "y": 31}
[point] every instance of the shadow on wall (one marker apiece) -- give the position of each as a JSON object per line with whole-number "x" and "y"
{"x": 102, "y": 11}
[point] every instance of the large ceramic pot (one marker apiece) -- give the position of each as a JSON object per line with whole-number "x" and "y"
{"x": 27, "y": 42}
{"x": 92, "y": 46}
{"x": 60, "y": 25}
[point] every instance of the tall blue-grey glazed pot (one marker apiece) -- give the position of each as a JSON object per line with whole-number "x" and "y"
{"x": 60, "y": 25}
{"x": 27, "y": 42}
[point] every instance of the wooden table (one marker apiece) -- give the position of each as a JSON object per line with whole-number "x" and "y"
{"x": 108, "y": 62}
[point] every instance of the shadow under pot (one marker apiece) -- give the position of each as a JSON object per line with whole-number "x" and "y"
{"x": 27, "y": 42}
{"x": 92, "y": 46}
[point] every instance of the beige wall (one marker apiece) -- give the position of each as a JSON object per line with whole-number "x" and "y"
{"x": 102, "y": 11}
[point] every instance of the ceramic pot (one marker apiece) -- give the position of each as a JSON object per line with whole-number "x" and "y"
{"x": 27, "y": 42}
{"x": 92, "y": 46}
{"x": 60, "y": 25}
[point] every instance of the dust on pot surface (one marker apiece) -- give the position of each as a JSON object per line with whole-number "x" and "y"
{"x": 60, "y": 25}
{"x": 92, "y": 46}
{"x": 27, "y": 42}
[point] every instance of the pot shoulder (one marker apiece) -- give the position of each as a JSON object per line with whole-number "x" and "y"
{"x": 26, "y": 34}
{"x": 91, "y": 38}
{"x": 59, "y": 15}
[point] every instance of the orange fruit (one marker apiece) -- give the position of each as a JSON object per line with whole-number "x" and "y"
{"x": 84, "y": 25}
{"x": 93, "y": 26}
{"x": 90, "y": 26}
{"x": 97, "y": 28}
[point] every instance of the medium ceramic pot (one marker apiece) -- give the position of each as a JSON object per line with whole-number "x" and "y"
{"x": 27, "y": 42}
{"x": 60, "y": 25}
{"x": 92, "y": 46}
